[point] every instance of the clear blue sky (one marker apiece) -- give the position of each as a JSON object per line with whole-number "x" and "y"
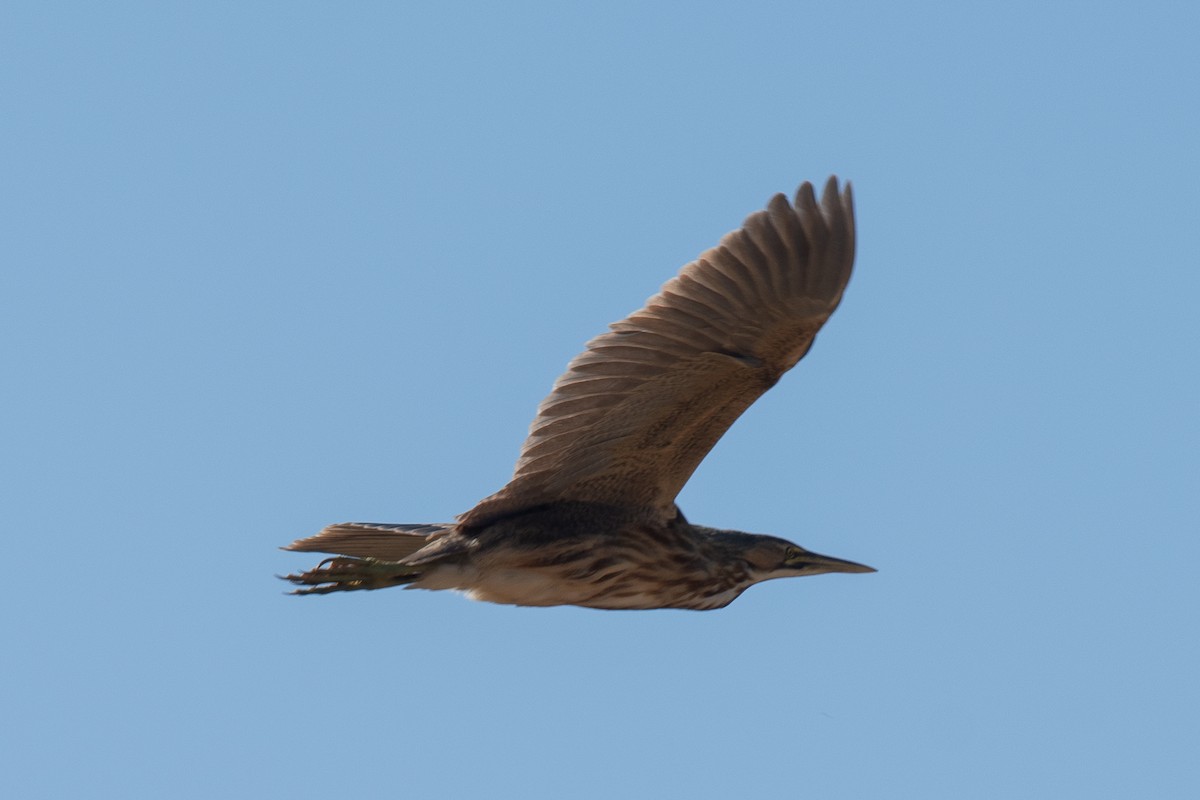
{"x": 271, "y": 266}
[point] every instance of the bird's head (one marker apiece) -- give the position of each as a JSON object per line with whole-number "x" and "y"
{"x": 772, "y": 557}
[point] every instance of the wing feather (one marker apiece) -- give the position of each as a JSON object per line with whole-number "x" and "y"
{"x": 636, "y": 412}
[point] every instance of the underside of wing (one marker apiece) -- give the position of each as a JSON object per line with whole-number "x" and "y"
{"x": 635, "y": 413}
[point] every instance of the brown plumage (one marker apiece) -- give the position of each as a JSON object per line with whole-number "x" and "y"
{"x": 589, "y": 517}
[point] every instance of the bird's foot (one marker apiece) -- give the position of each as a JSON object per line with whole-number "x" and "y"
{"x": 346, "y": 574}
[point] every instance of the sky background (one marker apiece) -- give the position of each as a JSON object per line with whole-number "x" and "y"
{"x": 272, "y": 266}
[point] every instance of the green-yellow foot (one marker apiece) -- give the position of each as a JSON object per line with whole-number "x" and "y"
{"x": 345, "y": 574}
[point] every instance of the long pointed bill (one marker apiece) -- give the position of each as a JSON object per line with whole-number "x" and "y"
{"x": 816, "y": 564}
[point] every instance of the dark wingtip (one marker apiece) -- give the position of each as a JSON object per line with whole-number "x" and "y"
{"x": 831, "y": 186}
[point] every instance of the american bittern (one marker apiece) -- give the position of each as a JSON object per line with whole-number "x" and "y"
{"x": 589, "y": 517}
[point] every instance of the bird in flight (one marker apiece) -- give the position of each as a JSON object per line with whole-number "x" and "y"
{"x": 589, "y": 517}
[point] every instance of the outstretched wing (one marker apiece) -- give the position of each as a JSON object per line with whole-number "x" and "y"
{"x": 636, "y": 412}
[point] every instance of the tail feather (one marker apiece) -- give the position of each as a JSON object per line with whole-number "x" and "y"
{"x": 367, "y": 555}
{"x": 370, "y": 540}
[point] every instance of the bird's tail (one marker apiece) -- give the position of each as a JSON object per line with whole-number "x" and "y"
{"x": 367, "y": 556}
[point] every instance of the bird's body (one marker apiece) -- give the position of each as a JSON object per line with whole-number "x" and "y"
{"x": 587, "y": 555}
{"x": 589, "y": 518}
